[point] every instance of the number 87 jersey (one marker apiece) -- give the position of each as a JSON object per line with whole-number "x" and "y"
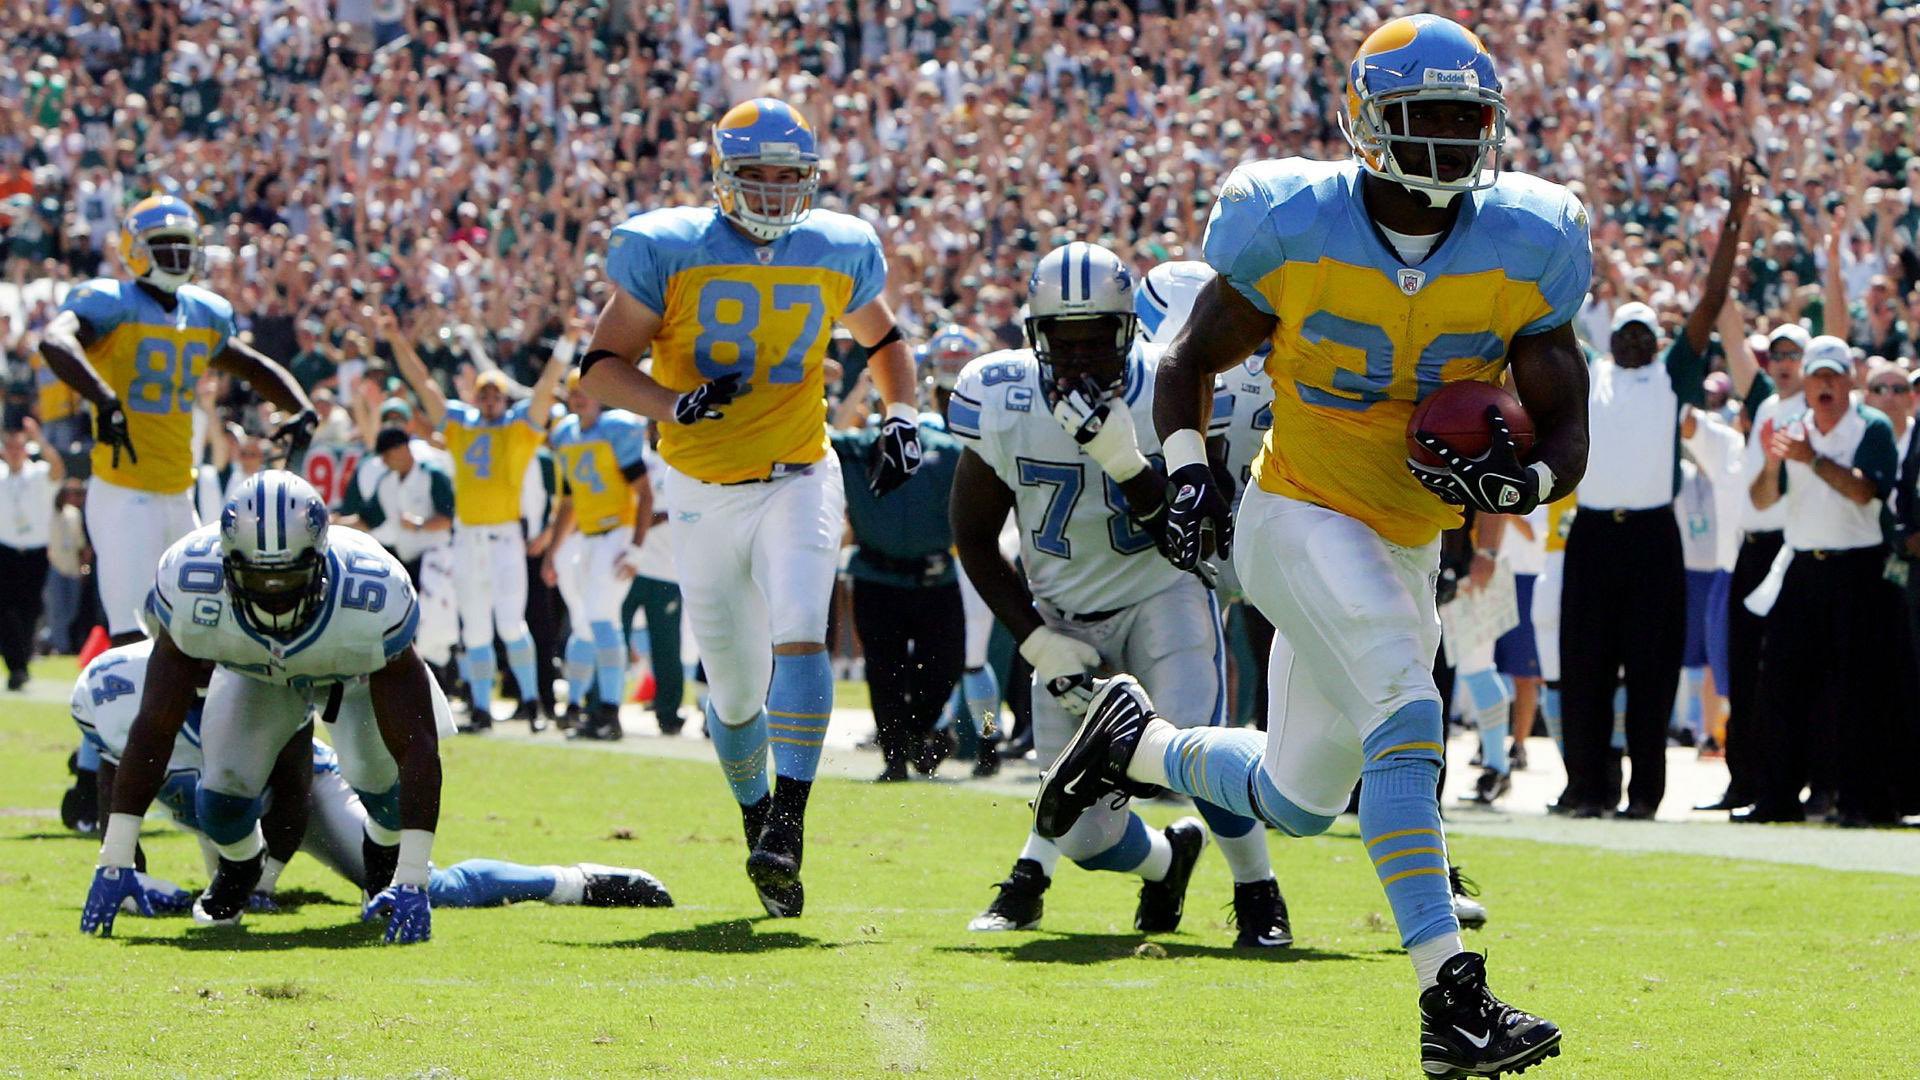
{"x": 762, "y": 311}
{"x": 367, "y": 614}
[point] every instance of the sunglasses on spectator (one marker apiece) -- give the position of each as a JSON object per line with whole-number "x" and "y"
{"x": 1890, "y": 388}
{"x": 1788, "y": 353}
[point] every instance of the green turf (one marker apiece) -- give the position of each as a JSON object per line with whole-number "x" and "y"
{"x": 1654, "y": 965}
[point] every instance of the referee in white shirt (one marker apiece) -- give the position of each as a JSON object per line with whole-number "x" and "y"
{"x": 1830, "y": 686}
{"x": 27, "y": 490}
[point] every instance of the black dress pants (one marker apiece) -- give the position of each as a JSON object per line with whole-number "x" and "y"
{"x": 914, "y": 640}
{"x": 1622, "y": 611}
{"x": 23, "y": 573}
{"x": 1745, "y": 633}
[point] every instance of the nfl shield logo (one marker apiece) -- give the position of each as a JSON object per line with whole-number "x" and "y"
{"x": 764, "y": 253}
{"x": 1411, "y": 280}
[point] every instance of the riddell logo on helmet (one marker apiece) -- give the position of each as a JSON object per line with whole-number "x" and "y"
{"x": 1431, "y": 77}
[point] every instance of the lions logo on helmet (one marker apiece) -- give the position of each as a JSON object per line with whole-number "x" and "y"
{"x": 1080, "y": 321}
{"x": 273, "y": 539}
{"x": 1423, "y": 58}
{"x": 160, "y": 242}
{"x": 764, "y": 135}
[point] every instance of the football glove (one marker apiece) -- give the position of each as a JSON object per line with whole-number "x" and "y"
{"x": 110, "y": 429}
{"x": 1155, "y": 525}
{"x": 1065, "y": 666}
{"x": 1493, "y": 483}
{"x": 1196, "y": 513}
{"x": 409, "y": 915}
{"x": 112, "y": 885}
{"x": 896, "y": 455}
{"x": 1104, "y": 432}
{"x": 705, "y": 401}
{"x": 295, "y": 434}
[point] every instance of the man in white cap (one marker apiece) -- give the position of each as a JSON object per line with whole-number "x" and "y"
{"x": 1623, "y": 600}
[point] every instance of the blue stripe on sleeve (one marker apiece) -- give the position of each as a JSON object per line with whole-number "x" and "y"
{"x": 963, "y": 417}
{"x": 400, "y": 635}
{"x": 158, "y": 606}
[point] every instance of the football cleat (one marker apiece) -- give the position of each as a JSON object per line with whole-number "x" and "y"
{"x": 529, "y": 711}
{"x": 601, "y": 723}
{"x": 228, "y": 895}
{"x": 1163, "y": 902}
{"x": 937, "y": 747}
{"x": 1466, "y": 1031}
{"x": 1261, "y": 914}
{"x": 1490, "y": 786}
{"x": 1094, "y": 763}
{"x": 774, "y": 868}
{"x": 1019, "y": 904}
{"x": 1467, "y": 910}
{"x": 613, "y": 886}
{"x": 478, "y": 720}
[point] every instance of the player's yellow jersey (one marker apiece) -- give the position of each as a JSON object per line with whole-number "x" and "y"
{"x": 1362, "y": 337}
{"x": 1559, "y": 521}
{"x": 151, "y": 358}
{"x": 764, "y": 311}
{"x": 490, "y": 461}
{"x": 594, "y": 462}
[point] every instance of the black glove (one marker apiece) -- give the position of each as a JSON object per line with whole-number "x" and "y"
{"x": 1154, "y": 524}
{"x": 1196, "y": 513}
{"x": 896, "y": 456}
{"x": 295, "y": 433}
{"x": 1493, "y": 483}
{"x": 110, "y": 429}
{"x": 705, "y": 401}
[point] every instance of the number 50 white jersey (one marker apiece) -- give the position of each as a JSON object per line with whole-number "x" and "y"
{"x": 1080, "y": 551}
{"x": 368, "y": 616}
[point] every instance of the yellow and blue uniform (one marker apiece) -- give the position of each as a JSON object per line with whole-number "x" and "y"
{"x": 490, "y": 460}
{"x": 766, "y": 312}
{"x": 151, "y": 358}
{"x": 594, "y": 460}
{"x": 1363, "y": 337}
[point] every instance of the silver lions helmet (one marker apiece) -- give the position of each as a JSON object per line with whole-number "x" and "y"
{"x": 273, "y": 540}
{"x": 1080, "y": 320}
{"x": 1164, "y": 298}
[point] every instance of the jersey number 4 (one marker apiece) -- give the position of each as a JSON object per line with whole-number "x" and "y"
{"x": 730, "y": 313}
{"x": 1067, "y": 482}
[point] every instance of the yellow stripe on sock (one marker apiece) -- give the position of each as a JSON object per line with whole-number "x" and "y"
{"x": 795, "y": 742}
{"x": 1403, "y": 832}
{"x": 800, "y": 715}
{"x": 1411, "y": 873}
{"x": 794, "y": 727}
{"x": 1409, "y": 851}
{"x": 1433, "y": 746}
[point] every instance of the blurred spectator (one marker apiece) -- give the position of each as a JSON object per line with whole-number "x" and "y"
{"x": 70, "y": 603}
{"x": 27, "y": 489}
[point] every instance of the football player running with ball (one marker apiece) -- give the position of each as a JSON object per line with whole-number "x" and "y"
{"x": 291, "y": 614}
{"x": 1377, "y": 281}
{"x": 737, "y": 304}
{"x": 1059, "y": 435}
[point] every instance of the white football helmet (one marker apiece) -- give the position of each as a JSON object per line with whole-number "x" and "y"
{"x": 1087, "y": 284}
{"x": 1164, "y": 298}
{"x": 273, "y": 539}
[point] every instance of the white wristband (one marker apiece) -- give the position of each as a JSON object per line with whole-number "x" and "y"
{"x": 1184, "y": 447}
{"x": 123, "y": 836}
{"x": 900, "y": 410}
{"x": 416, "y": 845}
{"x": 1546, "y": 478}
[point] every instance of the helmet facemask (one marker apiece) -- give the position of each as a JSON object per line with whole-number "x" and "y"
{"x": 1087, "y": 353}
{"x": 173, "y": 256}
{"x": 1384, "y": 130}
{"x": 278, "y": 601}
{"x": 765, "y": 208}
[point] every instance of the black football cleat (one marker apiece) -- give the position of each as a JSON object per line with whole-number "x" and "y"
{"x": 614, "y": 886}
{"x": 226, "y": 897}
{"x": 1468, "y": 911}
{"x": 1261, "y": 914}
{"x": 1094, "y": 763}
{"x": 1466, "y": 1031}
{"x": 774, "y": 868}
{"x": 1163, "y": 902}
{"x": 1019, "y": 904}
{"x": 1491, "y": 785}
{"x": 529, "y": 711}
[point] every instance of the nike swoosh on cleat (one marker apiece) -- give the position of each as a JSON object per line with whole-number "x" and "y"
{"x": 1073, "y": 783}
{"x": 1479, "y": 1041}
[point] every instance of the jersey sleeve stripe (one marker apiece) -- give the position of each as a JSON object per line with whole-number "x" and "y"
{"x": 157, "y": 605}
{"x": 400, "y": 635}
{"x": 963, "y": 416}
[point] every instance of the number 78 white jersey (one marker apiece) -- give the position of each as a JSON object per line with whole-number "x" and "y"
{"x": 367, "y": 619}
{"x": 1080, "y": 551}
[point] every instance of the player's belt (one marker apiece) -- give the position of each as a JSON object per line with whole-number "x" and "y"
{"x": 1621, "y": 515}
{"x": 780, "y": 470}
{"x": 1090, "y": 616}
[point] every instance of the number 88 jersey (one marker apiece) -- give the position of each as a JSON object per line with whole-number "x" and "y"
{"x": 368, "y": 617}
{"x": 764, "y": 312}
{"x": 151, "y": 358}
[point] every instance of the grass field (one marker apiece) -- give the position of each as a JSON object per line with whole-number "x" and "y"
{"x": 1654, "y": 965}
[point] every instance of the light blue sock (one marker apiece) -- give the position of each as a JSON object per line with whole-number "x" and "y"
{"x": 579, "y": 668}
{"x": 743, "y": 755}
{"x": 87, "y": 757}
{"x": 609, "y": 661}
{"x": 982, "y": 690}
{"x": 520, "y": 660}
{"x": 1400, "y": 821}
{"x": 487, "y": 883}
{"x": 1222, "y": 766}
{"x": 1493, "y": 727}
{"x": 799, "y": 705}
{"x": 1550, "y": 713}
{"x": 480, "y": 674}
{"x": 1127, "y": 853}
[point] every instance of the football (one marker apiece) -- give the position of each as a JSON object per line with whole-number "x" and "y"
{"x": 1457, "y": 414}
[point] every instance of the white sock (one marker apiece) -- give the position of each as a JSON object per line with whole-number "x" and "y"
{"x": 244, "y": 848}
{"x": 1247, "y": 855}
{"x": 1159, "y": 857}
{"x": 269, "y": 875}
{"x": 1042, "y": 851}
{"x": 569, "y": 884}
{"x": 1149, "y": 764}
{"x": 1429, "y": 956}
